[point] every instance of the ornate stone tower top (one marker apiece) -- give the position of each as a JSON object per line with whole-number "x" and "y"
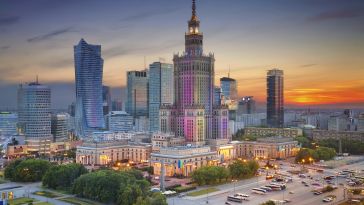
{"x": 193, "y": 38}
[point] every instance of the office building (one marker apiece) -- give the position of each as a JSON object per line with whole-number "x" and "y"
{"x": 336, "y": 135}
{"x": 89, "y": 104}
{"x": 360, "y": 126}
{"x": 161, "y": 91}
{"x": 166, "y": 140}
{"x": 275, "y": 98}
{"x": 137, "y": 93}
{"x": 34, "y": 103}
{"x": 191, "y": 115}
{"x": 106, "y": 99}
{"x": 59, "y": 124}
{"x": 8, "y": 123}
{"x": 119, "y": 121}
{"x": 117, "y": 105}
{"x": 218, "y": 96}
{"x": 268, "y": 132}
{"x": 229, "y": 88}
{"x": 252, "y": 120}
{"x": 246, "y": 105}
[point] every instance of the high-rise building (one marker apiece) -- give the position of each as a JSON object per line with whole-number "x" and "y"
{"x": 275, "y": 98}
{"x": 8, "y": 121}
{"x": 117, "y": 105}
{"x": 246, "y": 105}
{"x": 191, "y": 116}
{"x": 106, "y": 98}
{"x": 161, "y": 91}
{"x": 218, "y": 96}
{"x": 229, "y": 88}
{"x": 89, "y": 104}
{"x": 137, "y": 93}
{"x": 34, "y": 102}
{"x": 59, "y": 124}
{"x": 360, "y": 126}
{"x": 119, "y": 121}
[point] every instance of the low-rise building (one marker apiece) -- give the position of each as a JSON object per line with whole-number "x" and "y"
{"x": 183, "y": 160}
{"x": 166, "y": 140}
{"x": 268, "y": 132}
{"x": 331, "y": 134}
{"x": 119, "y": 121}
{"x": 267, "y": 148}
{"x": 107, "y": 152}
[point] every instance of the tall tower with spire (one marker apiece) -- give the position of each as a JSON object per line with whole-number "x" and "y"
{"x": 192, "y": 115}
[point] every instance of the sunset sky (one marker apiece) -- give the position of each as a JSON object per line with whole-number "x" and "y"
{"x": 318, "y": 43}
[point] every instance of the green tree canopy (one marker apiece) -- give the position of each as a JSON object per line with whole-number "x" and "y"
{"x": 29, "y": 170}
{"x": 63, "y": 176}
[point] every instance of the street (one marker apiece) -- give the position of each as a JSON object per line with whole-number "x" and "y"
{"x": 302, "y": 195}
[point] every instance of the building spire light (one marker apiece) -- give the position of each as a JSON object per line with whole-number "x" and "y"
{"x": 194, "y": 16}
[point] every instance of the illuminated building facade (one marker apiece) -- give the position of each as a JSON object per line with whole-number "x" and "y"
{"x": 89, "y": 103}
{"x": 191, "y": 116}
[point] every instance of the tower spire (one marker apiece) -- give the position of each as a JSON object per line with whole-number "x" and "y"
{"x": 194, "y": 16}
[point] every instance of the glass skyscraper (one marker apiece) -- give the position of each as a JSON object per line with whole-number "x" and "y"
{"x": 161, "y": 91}
{"x": 89, "y": 104}
{"x": 229, "y": 88}
{"x": 275, "y": 98}
{"x": 137, "y": 93}
{"x": 34, "y": 102}
{"x": 8, "y": 123}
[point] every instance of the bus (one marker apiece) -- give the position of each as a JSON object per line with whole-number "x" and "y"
{"x": 235, "y": 199}
{"x": 275, "y": 187}
{"x": 282, "y": 185}
{"x": 259, "y": 191}
{"x": 266, "y": 188}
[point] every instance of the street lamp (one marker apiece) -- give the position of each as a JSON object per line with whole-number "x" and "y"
{"x": 234, "y": 180}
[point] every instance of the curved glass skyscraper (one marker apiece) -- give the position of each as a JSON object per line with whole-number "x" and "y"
{"x": 88, "y": 73}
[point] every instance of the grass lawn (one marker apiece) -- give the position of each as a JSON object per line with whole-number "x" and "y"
{"x": 203, "y": 191}
{"x": 78, "y": 201}
{"x": 22, "y": 200}
{"x": 43, "y": 203}
{"x": 47, "y": 194}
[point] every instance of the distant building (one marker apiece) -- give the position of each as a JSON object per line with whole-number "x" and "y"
{"x": 268, "y": 132}
{"x": 141, "y": 124}
{"x": 229, "y": 88}
{"x": 117, "y": 105}
{"x": 360, "y": 126}
{"x": 34, "y": 103}
{"x": 339, "y": 123}
{"x": 137, "y": 93}
{"x": 166, "y": 140}
{"x": 89, "y": 103}
{"x": 59, "y": 127}
{"x": 106, "y": 98}
{"x": 331, "y": 134}
{"x": 218, "y": 96}
{"x": 275, "y": 98}
{"x": 183, "y": 160}
{"x": 8, "y": 123}
{"x": 161, "y": 91}
{"x": 252, "y": 120}
{"x": 246, "y": 105}
{"x": 119, "y": 121}
{"x": 267, "y": 148}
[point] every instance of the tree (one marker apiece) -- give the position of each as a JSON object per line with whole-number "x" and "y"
{"x": 63, "y": 176}
{"x": 29, "y": 170}
{"x": 304, "y": 141}
{"x": 268, "y": 203}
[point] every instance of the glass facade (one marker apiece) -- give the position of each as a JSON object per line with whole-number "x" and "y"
{"x": 34, "y": 102}
{"x": 137, "y": 93}
{"x": 89, "y": 102}
{"x": 8, "y": 123}
{"x": 229, "y": 88}
{"x": 161, "y": 91}
{"x": 275, "y": 98}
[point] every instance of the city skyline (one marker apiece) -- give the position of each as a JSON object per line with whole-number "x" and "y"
{"x": 312, "y": 47}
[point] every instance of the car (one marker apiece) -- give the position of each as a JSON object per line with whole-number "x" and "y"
{"x": 227, "y": 203}
{"x": 181, "y": 195}
{"x": 291, "y": 192}
{"x": 286, "y": 200}
{"x": 307, "y": 185}
{"x": 317, "y": 193}
{"x": 242, "y": 195}
{"x": 303, "y": 182}
{"x": 302, "y": 176}
{"x": 327, "y": 199}
{"x": 316, "y": 184}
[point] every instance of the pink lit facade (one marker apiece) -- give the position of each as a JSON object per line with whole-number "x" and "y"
{"x": 193, "y": 115}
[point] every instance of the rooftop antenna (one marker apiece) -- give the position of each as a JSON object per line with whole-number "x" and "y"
{"x": 36, "y": 79}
